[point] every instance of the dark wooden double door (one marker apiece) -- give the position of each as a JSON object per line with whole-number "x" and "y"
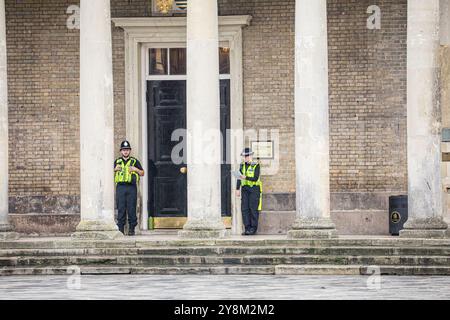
{"x": 166, "y": 110}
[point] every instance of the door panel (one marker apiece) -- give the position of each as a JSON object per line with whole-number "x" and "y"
{"x": 166, "y": 112}
{"x": 226, "y": 166}
{"x": 166, "y": 103}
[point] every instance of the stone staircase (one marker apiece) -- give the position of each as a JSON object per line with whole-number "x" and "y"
{"x": 151, "y": 255}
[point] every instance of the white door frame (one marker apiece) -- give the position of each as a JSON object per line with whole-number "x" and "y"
{"x": 141, "y": 33}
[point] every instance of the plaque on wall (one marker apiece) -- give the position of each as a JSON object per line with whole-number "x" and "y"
{"x": 262, "y": 149}
{"x": 446, "y": 156}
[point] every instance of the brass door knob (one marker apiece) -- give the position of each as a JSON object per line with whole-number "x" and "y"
{"x": 183, "y": 170}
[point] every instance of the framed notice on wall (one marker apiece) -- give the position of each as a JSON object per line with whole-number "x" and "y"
{"x": 262, "y": 149}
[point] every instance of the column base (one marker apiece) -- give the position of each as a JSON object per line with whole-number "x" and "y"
{"x": 203, "y": 230}
{"x": 6, "y": 236}
{"x": 96, "y": 230}
{"x": 425, "y": 228}
{"x": 319, "y": 228}
{"x": 5, "y": 227}
{"x": 6, "y": 232}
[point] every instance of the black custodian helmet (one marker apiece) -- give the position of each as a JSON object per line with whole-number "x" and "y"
{"x": 125, "y": 145}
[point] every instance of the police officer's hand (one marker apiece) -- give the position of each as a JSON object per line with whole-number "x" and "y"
{"x": 118, "y": 168}
{"x": 238, "y": 193}
{"x": 243, "y": 177}
{"x": 133, "y": 169}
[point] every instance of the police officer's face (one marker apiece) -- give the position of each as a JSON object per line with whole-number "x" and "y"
{"x": 248, "y": 158}
{"x": 125, "y": 152}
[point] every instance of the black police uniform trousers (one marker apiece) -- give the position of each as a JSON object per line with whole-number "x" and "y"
{"x": 249, "y": 207}
{"x": 126, "y": 198}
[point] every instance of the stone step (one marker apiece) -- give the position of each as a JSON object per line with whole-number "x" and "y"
{"x": 208, "y": 251}
{"x": 232, "y": 270}
{"x": 271, "y": 250}
{"x": 151, "y": 260}
{"x": 158, "y": 270}
{"x": 402, "y": 270}
{"x": 67, "y": 252}
{"x": 136, "y": 242}
{"x": 346, "y": 242}
{"x": 65, "y": 244}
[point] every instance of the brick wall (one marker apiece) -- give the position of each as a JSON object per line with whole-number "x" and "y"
{"x": 367, "y": 95}
{"x": 268, "y": 67}
{"x": 43, "y": 88}
{"x": 367, "y": 70}
{"x": 43, "y": 77}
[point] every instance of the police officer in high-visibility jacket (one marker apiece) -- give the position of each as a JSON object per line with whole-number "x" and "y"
{"x": 251, "y": 192}
{"x": 127, "y": 172}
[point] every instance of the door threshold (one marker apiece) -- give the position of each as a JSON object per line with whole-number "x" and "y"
{"x": 177, "y": 223}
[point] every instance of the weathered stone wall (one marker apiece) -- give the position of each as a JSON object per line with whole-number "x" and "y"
{"x": 367, "y": 71}
{"x": 43, "y": 77}
{"x": 367, "y": 99}
{"x": 367, "y": 90}
{"x": 268, "y": 64}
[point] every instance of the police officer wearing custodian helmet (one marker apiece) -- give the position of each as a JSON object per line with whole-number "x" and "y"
{"x": 127, "y": 170}
{"x": 251, "y": 184}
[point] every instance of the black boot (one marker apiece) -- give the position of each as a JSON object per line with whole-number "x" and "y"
{"x": 121, "y": 229}
{"x": 131, "y": 232}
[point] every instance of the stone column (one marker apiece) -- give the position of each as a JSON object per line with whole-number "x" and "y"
{"x": 444, "y": 8}
{"x": 425, "y": 205}
{"x": 311, "y": 122}
{"x": 5, "y": 226}
{"x": 445, "y": 98}
{"x": 203, "y": 122}
{"x": 96, "y": 122}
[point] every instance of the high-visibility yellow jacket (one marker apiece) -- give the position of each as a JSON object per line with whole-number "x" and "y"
{"x": 249, "y": 172}
{"x": 125, "y": 176}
